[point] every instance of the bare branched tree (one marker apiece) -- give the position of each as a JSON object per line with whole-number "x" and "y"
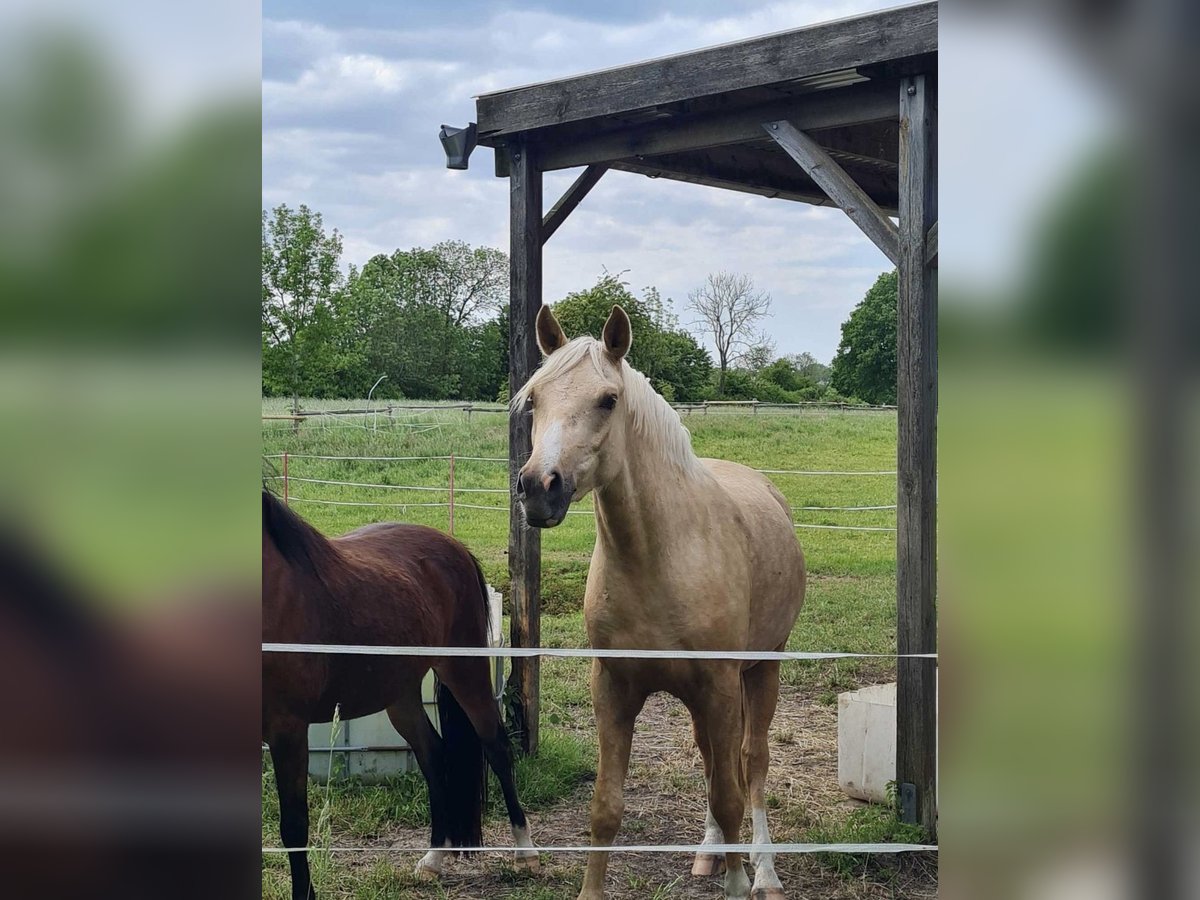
{"x": 729, "y": 308}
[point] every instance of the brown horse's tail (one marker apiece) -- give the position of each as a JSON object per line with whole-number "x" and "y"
{"x": 466, "y": 772}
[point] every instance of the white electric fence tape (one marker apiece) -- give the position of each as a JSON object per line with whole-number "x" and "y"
{"x": 714, "y": 849}
{"x": 589, "y": 653}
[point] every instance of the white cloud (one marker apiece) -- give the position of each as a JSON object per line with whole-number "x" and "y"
{"x": 350, "y": 118}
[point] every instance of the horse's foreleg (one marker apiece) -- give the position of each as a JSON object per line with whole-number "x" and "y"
{"x": 289, "y": 754}
{"x": 616, "y": 705}
{"x": 718, "y": 715}
{"x": 708, "y": 864}
{"x": 761, "y": 686}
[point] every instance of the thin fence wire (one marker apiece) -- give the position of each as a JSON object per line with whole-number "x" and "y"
{"x": 502, "y": 459}
{"x": 453, "y": 491}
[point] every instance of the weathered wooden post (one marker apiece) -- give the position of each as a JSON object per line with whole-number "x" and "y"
{"x": 524, "y": 544}
{"x": 916, "y": 457}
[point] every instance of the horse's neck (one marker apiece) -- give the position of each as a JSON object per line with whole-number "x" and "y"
{"x": 639, "y": 512}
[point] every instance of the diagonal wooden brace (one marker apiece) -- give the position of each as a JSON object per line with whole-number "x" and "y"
{"x": 567, "y": 202}
{"x": 835, "y": 182}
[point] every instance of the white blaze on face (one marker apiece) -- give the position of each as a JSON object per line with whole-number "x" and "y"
{"x": 551, "y": 448}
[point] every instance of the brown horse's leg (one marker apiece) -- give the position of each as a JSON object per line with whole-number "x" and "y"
{"x": 761, "y": 687}
{"x": 289, "y": 754}
{"x": 408, "y": 717}
{"x": 616, "y": 704}
{"x": 719, "y": 716}
{"x": 708, "y": 864}
{"x": 470, "y": 681}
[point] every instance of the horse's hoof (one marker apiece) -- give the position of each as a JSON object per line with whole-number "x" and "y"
{"x": 767, "y": 894}
{"x": 423, "y": 873}
{"x": 708, "y": 865}
{"x": 530, "y": 863}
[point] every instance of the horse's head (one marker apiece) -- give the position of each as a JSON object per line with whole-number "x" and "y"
{"x": 578, "y": 425}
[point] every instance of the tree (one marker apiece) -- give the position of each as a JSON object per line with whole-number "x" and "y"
{"x": 757, "y": 357}
{"x": 461, "y": 281}
{"x": 300, "y": 277}
{"x": 865, "y": 364}
{"x": 676, "y": 365}
{"x": 729, "y": 307}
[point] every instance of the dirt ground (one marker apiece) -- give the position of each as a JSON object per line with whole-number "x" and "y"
{"x": 665, "y": 805}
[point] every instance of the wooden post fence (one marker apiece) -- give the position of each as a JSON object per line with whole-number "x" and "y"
{"x": 916, "y": 457}
{"x": 524, "y": 544}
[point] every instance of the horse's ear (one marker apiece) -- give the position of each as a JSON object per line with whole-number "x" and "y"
{"x": 618, "y": 333}
{"x": 549, "y": 333}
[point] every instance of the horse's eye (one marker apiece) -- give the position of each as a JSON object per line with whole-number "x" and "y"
{"x": 608, "y": 401}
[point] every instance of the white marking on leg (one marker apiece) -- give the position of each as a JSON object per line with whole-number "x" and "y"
{"x": 431, "y": 862}
{"x": 524, "y": 844}
{"x": 712, "y": 831}
{"x": 737, "y": 885}
{"x": 709, "y": 863}
{"x": 765, "y": 878}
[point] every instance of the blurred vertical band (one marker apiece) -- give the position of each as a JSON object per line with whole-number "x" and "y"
{"x": 1068, "y": 432}
{"x": 129, "y": 194}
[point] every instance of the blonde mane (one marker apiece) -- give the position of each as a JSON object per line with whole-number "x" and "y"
{"x": 652, "y": 417}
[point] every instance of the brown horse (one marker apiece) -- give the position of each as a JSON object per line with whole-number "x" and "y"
{"x": 384, "y": 584}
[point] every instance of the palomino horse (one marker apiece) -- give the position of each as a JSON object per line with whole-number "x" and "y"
{"x": 385, "y": 584}
{"x": 691, "y": 554}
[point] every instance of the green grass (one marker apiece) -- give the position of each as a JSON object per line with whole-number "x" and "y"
{"x": 810, "y": 440}
{"x": 850, "y": 604}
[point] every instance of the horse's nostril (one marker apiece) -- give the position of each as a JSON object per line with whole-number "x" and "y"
{"x": 524, "y": 484}
{"x": 551, "y": 481}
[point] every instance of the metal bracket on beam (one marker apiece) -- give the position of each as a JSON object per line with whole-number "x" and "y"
{"x": 837, "y": 183}
{"x": 567, "y": 202}
{"x": 908, "y": 803}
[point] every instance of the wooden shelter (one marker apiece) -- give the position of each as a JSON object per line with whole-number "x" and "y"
{"x": 842, "y": 113}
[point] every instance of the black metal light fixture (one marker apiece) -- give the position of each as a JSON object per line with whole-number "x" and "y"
{"x": 458, "y": 144}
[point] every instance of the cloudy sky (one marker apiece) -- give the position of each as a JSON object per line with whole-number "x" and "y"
{"x": 354, "y": 92}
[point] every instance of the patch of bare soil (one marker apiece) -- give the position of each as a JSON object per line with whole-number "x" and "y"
{"x": 665, "y": 804}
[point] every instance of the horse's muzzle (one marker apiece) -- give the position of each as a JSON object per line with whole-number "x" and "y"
{"x": 545, "y": 498}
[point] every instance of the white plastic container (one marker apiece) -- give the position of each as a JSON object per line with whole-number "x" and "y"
{"x": 369, "y": 747}
{"x": 867, "y": 741}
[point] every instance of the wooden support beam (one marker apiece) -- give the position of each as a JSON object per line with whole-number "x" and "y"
{"x": 524, "y": 544}
{"x": 857, "y": 104}
{"x": 916, "y": 458}
{"x": 780, "y": 58}
{"x": 567, "y": 202}
{"x": 931, "y": 247}
{"x": 841, "y": 188}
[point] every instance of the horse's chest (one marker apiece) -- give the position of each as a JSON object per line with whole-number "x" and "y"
{"x": 623, "y": 617}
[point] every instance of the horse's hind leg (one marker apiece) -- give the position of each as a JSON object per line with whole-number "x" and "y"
{"x": 289, "y": 754}
{"x": 469, "y": 680}
{"x": 761, "y": 691}
{"x": 408, "y": 717}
